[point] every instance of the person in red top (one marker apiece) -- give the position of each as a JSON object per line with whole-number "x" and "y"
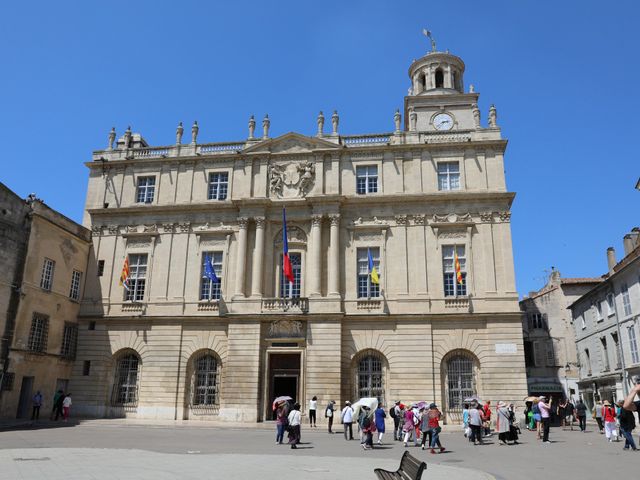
{"x": 486, "y": 410}
{"x": 609, "y": 414}
{"x": 434, "y": 427}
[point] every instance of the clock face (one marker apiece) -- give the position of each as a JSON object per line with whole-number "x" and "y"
{"x": 443, "y": 121}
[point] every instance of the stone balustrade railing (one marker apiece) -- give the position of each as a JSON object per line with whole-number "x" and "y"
{"x": 220, "y": 148}
{"x": 285, "y": 305}
{"x": 451, "y": 137}
{"x": 360, "y": 140}
{"x": 456, "y": 302}
{"x": 150, "y": 152}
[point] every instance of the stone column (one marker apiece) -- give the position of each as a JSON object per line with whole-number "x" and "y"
{"x": 258, "y": 259}
{"x": 242, "y": 255}
{"x": 334, "y": 255}
{"x": 316, "y": 259}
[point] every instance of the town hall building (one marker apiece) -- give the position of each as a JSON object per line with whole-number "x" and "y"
{"x": 181, "y": 343}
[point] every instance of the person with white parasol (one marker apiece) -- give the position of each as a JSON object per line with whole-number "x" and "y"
{"x": 281, "y": 407}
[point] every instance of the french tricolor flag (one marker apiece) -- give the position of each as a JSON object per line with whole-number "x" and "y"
{"x": 286, "y": 261}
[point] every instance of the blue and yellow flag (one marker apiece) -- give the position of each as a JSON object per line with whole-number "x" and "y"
{"x": 372, "y": 269}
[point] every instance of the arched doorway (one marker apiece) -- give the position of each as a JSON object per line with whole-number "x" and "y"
{"x": 125, "y": 385}
{"x": 204, "y": 375}
{"x": 459, "y": 378}
{"x": 369, "y": 369}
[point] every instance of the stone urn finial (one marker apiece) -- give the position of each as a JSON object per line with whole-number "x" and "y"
{"x": 413, "y": 120}
{"x": 179, "y": 132}
{"x": 396, "y": 119}
{"x": 335, "y": 121}
{"x": 194, "y": 132}
{"x": 266, "y": 123}
{"x": 112, "y": 138}
{"x": 476, "y": 115}
{"x": 493, "y": 117}
{"x": 252, "y": 127}
{"x": 320, "y": 124}
{"x": 127, "y": 137}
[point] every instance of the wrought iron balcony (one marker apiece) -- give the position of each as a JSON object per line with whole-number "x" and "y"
{"x": 285, "y": 305}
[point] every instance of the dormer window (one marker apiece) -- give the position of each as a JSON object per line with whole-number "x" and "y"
{"x": 439, "y": 78}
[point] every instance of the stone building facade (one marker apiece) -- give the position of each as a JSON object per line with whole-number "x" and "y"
{"x": 43, "y": 264}
{"x": 605, "y": 320}
{"x": 549, "y": 337}
{"x": 180, "y": 345}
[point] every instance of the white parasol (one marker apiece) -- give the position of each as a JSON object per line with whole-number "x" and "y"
{"x": 372, "y": 403}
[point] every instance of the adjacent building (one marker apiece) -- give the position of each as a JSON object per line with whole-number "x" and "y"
{"x": 43, "y": 260}
{"x": 605, "y": 320}
{"x": 549, "y": 337}
{"x": 208, "y": 325}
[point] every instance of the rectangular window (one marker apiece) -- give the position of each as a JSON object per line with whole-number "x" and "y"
{"x": 137, "y": 277}
{"x": 146, "y": 189}
{"x": 626, "y": 301}
{"x": 69, "y": 341}
{"x": 367, "y": 179}
{"x": 218, "y": 186}
{"x": 452, "y": 286}
{"x": 587, "y": 357}
{"x": 633, "y": 344}
{"x": 86, "y": 367}
{"x": 46, "y": 281}
{"x": 610, "y": 309}
{"x": 287, "y": 289}
{"x": 92, "y": 325}
{"x": 605, "y": 354}
{"x": 38, "y": 333}
{"x": 448, "y": 176}
{"x": 598, "y": 306}
{"x": 74, "y": 292}
{"x": 537, "y": 321}
{"x": 366, "y": 288}
{"x": 616, "y": 347}
{"x": 529, "y": 358}
{"x": 100, "y": 268}
{"x": 7, "y": 381}
{"x": 539, "y": 353}
{"x": 551, "y": 358}
{"x": 210, "y": 290}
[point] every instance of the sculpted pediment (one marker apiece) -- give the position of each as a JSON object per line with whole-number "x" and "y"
{"x": 291, "y": 143}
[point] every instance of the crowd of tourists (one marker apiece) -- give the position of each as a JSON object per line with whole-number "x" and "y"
{"x": 419, "y": 423}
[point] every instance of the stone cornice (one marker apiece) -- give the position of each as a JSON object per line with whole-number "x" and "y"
{"x": 499, "y": 145}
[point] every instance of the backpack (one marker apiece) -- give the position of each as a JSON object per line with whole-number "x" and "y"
{"x": 535, "y": 409}
{"x": 392, "y": 412}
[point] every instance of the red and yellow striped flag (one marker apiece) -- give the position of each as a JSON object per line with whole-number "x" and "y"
{"x": 459, "y": 278}
{"x": 124, "y": 276}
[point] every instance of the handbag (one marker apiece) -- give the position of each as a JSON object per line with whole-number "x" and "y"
{"x": 438, "y": 429}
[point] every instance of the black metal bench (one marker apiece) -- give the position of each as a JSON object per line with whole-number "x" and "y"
{"x": 410, "y": 469}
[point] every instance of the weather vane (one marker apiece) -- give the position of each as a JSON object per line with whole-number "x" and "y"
{"x": 427, "y": 34}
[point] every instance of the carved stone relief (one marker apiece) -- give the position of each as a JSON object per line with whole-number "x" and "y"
{"x": 141, "y": 242}
{"x": 286, "y": 329}
{"x": 452, "y": 218}
{"x": 294, "y": 235}
{"x": 293, "y": 179}
{"x": 68, "y": 249}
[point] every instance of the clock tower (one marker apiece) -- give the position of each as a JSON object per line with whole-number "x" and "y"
{"x": 436, "y": 99}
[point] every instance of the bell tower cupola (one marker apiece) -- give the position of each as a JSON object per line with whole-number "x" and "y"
{"x": 436, "y": 101}
{"x": 436, "y": 73}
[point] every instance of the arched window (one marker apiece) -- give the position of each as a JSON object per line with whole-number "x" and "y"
{"x": 370, "y": 376}
{"x": 206, "y": 381}
{"x": 125, "y": 388}
{"x": 439, "y": 78}
{"x": 460, "y": 380}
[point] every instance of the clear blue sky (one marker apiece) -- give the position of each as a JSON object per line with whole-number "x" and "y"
{"x": 563, "y": 75}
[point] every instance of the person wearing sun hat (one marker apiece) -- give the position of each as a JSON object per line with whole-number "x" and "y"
{"x": 502, "y": 422}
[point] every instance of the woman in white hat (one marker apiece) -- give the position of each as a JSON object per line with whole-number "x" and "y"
{"x": 502, "y": 423}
